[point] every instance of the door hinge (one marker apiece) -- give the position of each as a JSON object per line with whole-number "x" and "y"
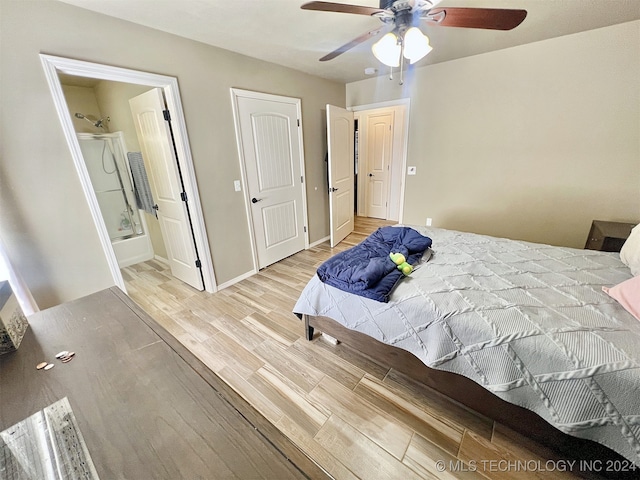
{"x": 305, "y": 229}
{"x": 198, "y": 264}
{"x": 301, "y": 179}
{"x": 298, "y": 122}
{"x": 167, "y": 115}
{"x": 183, "y": 196}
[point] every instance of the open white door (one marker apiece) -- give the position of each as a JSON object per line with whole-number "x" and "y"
{"x": 270, "y": 140}
{"x": 341, "y": 169}
{"x": 156, "y": 143}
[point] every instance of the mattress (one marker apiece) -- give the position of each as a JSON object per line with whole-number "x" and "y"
{"x": 527, "y": 321}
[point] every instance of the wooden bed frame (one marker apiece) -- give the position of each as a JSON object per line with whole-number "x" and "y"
{"x": 470, "y": 394}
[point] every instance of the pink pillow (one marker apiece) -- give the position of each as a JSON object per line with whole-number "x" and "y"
{"x": 627, "y": 294}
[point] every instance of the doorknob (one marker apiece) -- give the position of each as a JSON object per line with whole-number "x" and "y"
{"x": 333, "y": 189}
{"x": 256, "y": 200}
{"x": 371, "y": 175}
{"x": 155, "y": 207}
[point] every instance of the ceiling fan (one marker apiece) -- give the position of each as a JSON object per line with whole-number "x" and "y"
{"x": 405, "y": 40}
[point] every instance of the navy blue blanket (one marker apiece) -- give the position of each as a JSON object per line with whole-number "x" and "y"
{"x": 366, "y": 269}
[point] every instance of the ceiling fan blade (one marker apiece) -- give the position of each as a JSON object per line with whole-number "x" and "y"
{"x": 341, "y": 8}
{"x": 351, "y": 44}
{"x": 487, "y": 18}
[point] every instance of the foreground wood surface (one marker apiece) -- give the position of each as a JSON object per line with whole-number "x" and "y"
{"x": 145, "y": 410}
{"x": 355, "y": 417}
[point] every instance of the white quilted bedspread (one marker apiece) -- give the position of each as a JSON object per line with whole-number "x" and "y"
{"x": 527, "y": 321}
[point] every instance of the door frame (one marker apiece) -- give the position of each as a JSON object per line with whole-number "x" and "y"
{"x": 236, "y": 93}
{"x": 53, "y": 65}
{"x": 404, "y": 138}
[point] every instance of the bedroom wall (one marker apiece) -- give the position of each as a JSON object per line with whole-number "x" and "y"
{"x": 45, "y": 222}
{"x": 531, "y": 142}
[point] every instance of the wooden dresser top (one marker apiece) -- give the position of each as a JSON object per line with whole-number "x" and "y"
{"x": 146, "y": 409}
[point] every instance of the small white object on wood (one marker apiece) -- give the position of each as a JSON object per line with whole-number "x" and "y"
{"x": 330, "y": 339}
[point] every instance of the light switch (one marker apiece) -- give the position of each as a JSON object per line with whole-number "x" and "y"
{"x": 411, "y": 171}
{"x": 236, "y": 185}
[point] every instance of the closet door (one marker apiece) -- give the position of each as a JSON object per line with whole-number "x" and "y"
{"x": 379, "y": 143}
{"x": 270, "y": 137}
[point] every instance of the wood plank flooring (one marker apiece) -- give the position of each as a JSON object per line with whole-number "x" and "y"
{"x": 353, "y": 417}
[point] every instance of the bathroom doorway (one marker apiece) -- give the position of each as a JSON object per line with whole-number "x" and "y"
{"x": 55, "y": 67}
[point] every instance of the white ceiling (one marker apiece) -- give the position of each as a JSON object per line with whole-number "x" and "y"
{"x": 278, "y": 31}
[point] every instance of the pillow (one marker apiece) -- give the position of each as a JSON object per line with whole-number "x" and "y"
{"x": 627, "y": 294}
{"x": 630, "y": 252}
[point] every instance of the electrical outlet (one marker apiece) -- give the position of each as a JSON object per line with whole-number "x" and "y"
{"x": 428, "y": 222}
{"x": 236, "y": 185}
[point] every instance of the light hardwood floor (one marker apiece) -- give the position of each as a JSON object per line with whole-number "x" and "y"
{"x": 352, "y": 416}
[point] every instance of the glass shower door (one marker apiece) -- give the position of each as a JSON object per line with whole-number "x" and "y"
{"x": 109, "y": 173}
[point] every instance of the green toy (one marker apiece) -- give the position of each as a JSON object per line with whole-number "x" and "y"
{"x": 401, "y": 262}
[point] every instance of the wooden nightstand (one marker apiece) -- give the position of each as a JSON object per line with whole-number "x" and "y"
{"x": 608, "y": 236}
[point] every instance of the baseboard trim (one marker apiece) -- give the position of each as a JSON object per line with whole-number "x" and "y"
{"x": 235, "y": 280}
{"x": 318, "y": 242}
{"x": 161, "y": 259}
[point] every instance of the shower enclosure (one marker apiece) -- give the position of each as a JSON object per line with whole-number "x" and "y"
{"x": 105, "y": 158}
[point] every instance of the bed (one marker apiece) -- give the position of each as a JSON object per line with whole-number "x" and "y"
{"x": 520, "y": 332}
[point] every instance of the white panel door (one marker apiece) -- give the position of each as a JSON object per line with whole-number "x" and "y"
{"x": 156, "y": 143}
{"x": 378, "y": 161}
{"x": 341, "y": 169}
{"x": 272, "y": 146}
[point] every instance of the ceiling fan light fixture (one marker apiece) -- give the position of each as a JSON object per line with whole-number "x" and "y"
{"x": 388, "y": 50}
{"x": 416, "y": 45}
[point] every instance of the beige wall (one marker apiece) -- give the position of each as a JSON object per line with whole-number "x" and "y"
{"x": 532, "y": 142}
{"x": 45, "y": 222}
{"x": 82, "y": 100}
{"x": 113, "y": 99}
